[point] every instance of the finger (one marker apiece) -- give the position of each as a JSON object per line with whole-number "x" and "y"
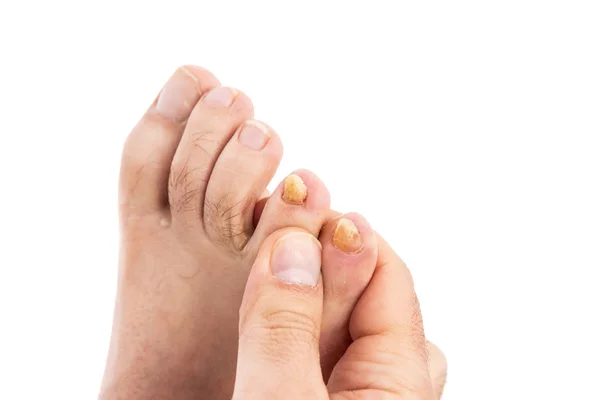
{"x": 280, "y": 320}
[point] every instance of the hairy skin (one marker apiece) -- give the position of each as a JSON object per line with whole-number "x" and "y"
{"x": 192, "y": 222}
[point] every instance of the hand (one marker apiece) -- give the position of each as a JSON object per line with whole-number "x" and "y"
{"x": 280, "y": 317}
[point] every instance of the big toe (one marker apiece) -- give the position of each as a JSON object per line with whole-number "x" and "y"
{"x": 150, "y": 146}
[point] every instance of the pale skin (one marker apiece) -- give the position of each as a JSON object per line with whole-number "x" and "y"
{"x": 225, "y": 292}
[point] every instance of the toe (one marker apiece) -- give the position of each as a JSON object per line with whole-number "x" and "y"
{"x": 210, "y": 127}
{"x": 150, "y": 147}
{"x": 349, "y": 259}
{"x": 301, "y": 200}
{"x": 388, "y": 353}
{"x": 239, "y": 179}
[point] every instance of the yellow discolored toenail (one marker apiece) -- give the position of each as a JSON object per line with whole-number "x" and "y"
{"x": 294, "y": 190}
{"x": 346, "y": 237}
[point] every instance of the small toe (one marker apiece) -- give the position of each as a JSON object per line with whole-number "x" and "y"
{"x": 386, "y": 328}
{"x": 349, "y": 258}
{"x": 239, "y": 179}
{"x": 301, "y": 200}
{"x": 210, "y": 126}
{"x": 150, "y": 147}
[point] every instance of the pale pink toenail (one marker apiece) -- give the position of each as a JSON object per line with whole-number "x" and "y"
{"x": 219, "y": 97}
{"x": 296, "y": 259}
{"x": 254, "y": 135}
{"x": 178, "y": 96}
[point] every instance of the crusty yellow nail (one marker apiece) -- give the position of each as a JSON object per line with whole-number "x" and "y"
{"x": 346, "y": 237}
{"x": 294, "y": 190}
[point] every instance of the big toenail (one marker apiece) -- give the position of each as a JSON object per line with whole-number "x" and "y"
{"x": 294, "y": 190}
{"x": 296, "y": 259}
{"x": 219, "y": 97}
{"x": 178, "y": 96}
{"x": 346, "y": 237}
{"x": 254, "y": 135}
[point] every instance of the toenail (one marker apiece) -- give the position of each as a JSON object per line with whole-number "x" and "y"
{"x": 294, "y": 190}
{"x": 296, "y": 259}
{"x": 346, "y": 237}
{"x": 254, "y": 135}
{"x": 220, "y": 97}
{"x": 178, "y": 96}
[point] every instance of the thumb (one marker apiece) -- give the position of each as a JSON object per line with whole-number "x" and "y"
{"x": 280, "y": 318}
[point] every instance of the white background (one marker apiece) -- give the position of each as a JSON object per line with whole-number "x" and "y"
{"x": 466, "y": 131}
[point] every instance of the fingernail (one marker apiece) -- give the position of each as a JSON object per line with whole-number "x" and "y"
{"x": 294, "y": 190}
{"x": 254, "y": 135}
{"x": 296, "y": 259}
{"x": 346, "y": 237}
{"x": 219, "y": 97}
{"x": 179, "y": 96}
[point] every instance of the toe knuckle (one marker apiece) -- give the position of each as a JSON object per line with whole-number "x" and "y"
{"x": 224, "y": 216}
{"x": 205, "y": 140}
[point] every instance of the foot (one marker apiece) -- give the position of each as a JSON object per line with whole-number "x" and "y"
{"x": 193, "y": 170}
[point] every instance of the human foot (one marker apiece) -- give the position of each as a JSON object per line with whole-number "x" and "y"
{"x": 192, "y": 171}
{"x": 280, "y": 327}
